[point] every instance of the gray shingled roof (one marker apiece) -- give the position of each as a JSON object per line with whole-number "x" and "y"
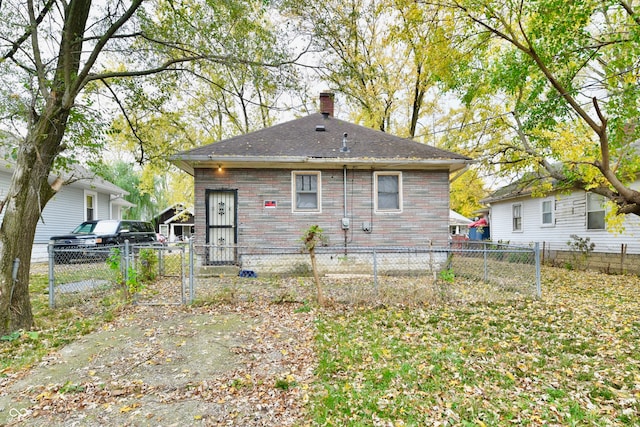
{"x": 317, "y": 139}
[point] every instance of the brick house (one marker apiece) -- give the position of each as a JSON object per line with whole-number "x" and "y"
{"x": 361, "y": 186}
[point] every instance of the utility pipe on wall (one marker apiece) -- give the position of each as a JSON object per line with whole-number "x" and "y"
{"x": 345, "y": 218}
{"x": 344, "y": 184}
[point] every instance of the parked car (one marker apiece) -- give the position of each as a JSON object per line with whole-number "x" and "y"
{"x": 91, "y": 239}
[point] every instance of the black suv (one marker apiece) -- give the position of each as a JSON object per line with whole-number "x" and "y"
{"x": 88, "y": 237}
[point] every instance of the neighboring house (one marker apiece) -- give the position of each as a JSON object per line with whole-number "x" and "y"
{"x": 517, "y": 217}
{"x": 458, "y": 224}
{"x": 88, "y": 197}
{"x": 361, "y": 186}
{"x": 175, "y": 222}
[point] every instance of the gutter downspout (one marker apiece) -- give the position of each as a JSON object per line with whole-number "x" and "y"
{"x": 345, "y": 217}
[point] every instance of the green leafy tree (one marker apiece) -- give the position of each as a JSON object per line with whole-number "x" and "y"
{"x": 354, "y": 58}
{"x": 466, "y": 192}
{"x": 158, "y": 183}
{"x": 124, "y": 175}
{"x": 56, "y": 58}
{"x": 567, "y": 74}
{"x": 219, "y": 101}
{"x": 386, "y": 57}
{"x": 421, "y": 32}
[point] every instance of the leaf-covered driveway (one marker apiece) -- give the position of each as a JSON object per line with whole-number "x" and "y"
{"x": 249, "y": 364}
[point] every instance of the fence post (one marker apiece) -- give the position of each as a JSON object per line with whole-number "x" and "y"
{"x": 486, "y": 262}
{"x": 375, "y": 271}
{"x": 537, "y": 256}
{"x": 125, "y": 274}
{"x": 51, "y": 277}
{"x": 191, "y": 276}
{"x": 182, "y": 277}
{"x": 160, "y": 251}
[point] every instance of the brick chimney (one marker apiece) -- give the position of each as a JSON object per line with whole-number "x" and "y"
{"x": 326, "y": 103}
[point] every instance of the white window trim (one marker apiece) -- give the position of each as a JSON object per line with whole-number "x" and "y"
{"x": 294, "y": 193}
{"x": 513, "y": 229}
{"x": 375, "y": 192}
{"x": 553, "y": 213}
{"x": 95, "y": 204}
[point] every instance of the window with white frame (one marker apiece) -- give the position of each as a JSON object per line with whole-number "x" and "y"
{"x": 90, "y": 205}
{"x": 547, "y": 212}
{"x": 388, "y": 191}
{"x": 517, "y": 217}
{"x": 595, "y": 212}
{"x": 306, "y": 191}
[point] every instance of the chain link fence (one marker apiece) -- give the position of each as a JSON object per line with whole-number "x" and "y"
{"x": 143, "y": 274}
{"x": 177, "y": 274}
{"x": 466, "y": 271}
{"x": 507, "y": 267}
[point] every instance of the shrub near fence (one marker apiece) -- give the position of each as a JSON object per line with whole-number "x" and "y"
{"x": 364, "y": 275}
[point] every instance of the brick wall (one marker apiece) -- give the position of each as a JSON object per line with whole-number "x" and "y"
{"x": 424, "y": 218}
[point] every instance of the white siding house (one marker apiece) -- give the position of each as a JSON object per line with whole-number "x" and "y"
{"x": 88, "y": 197}
{"x": 458, "y": 224}
{"x": 552, "y": 220}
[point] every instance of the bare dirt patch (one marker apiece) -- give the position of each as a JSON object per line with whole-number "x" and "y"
{"x": 248, "y": 365}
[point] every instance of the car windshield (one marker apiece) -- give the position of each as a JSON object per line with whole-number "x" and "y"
{"x": 100, "y": 227}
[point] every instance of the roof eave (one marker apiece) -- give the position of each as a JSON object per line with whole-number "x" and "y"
{"x": 505, "y": 197}
{"x": 177, "y": 215}
{"x": 190, "y": 163}
{"x": 119, "y": 201}
{"x": 94, "y": 182}
{"x": 99, "y": 185}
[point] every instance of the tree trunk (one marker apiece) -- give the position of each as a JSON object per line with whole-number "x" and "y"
{"x": 29, "y": 190}
{"x": 27, "y": 195}
{"x": 416, "y": 105}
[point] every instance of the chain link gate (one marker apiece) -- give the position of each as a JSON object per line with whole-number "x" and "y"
{"x": 156, "y": 275}
{"x": 147, "y": 274}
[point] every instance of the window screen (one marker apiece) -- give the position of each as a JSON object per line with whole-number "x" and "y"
{"x": 595, "y": 212}
{"x": 306, "y": 191}
{"x": 388, "y": 192}
{"x": 517, "y": 217}
{"x": 547, "y": 212}
{"x": 91, "y": 204}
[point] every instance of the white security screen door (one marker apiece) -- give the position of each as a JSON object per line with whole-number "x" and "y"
{"x": 221, "y": 226}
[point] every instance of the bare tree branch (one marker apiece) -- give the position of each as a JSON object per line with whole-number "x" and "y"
{"x": 627, "y": 7}
{"x": 35, "y": 44}
{"x": 111, "y": 31}
{"x": 15, "y": 46}
{"x": 123, "y": 110}
{"x": 168, "y": 66}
